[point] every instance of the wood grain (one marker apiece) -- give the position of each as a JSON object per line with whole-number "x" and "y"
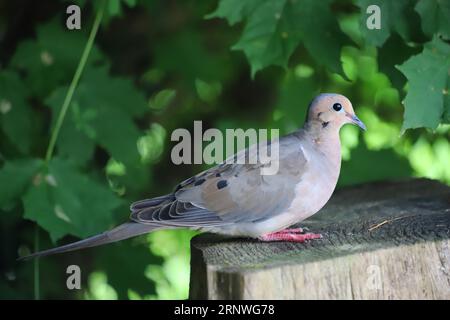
{"x": 385, "y": 240}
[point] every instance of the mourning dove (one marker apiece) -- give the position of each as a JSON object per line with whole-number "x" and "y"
{"x": 237, "y": 200}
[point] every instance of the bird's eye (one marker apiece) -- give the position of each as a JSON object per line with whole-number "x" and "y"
{"x": 337, "y": 107}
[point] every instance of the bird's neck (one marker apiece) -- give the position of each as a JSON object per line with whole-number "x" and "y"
{"x": 325, "y": 138}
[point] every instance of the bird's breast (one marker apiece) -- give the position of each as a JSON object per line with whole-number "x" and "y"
{"x": 311, "y": 193}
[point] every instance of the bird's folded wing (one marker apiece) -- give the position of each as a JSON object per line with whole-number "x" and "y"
{"x": 229, "y": 193}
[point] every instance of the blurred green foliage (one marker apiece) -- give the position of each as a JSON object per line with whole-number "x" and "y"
{"x": 160, "y": 65}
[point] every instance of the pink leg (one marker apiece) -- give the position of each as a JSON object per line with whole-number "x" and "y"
{"x": 290, "y": 235}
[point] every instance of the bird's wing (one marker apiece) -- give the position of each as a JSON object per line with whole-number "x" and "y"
{"x": 230, "y": 192}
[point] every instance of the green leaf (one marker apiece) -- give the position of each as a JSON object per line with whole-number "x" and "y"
{"x": 119, "y": 92}
{"x": 208, "y": 92}
{"x": 265, "y": 39}
{"x": 435, "y": 16}
{"x": 52, "y": 56}
{"x": 15, "y": 113}
{"x": 151, "y": 145}
{"x": 114, "y": 8}
{"x": 64, "y": 201}
{"x": 275, "y": 28}
{"x": 15, "y": 177}
{"x": 395, "y": 17}
{"x": 162, "y": 99}
{"x": 102, "y": 110}
{"x": 427, "y": 103}
{"x": 234, "y": 10}
{"x": 76, "y": 138}
{"x": 327, "y": 40}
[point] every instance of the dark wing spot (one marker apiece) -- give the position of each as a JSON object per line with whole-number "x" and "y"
{"x": 199, "y": 182}
{"x": 324, "y": 124}
{"x": 218, "y": 174}
{"x": 184, "y": 183}
{"x": 222, "y": 184}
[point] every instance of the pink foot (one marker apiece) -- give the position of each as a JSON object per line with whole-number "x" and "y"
{"x": 290, "y": 235}
{"x": 293, "y": 230}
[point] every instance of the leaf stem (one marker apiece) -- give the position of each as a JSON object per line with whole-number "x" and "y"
{"x": 73, "y": 84}
{"x": 59, "y": 122}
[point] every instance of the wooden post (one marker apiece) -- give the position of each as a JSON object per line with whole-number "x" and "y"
{"x": 387, "y": 240}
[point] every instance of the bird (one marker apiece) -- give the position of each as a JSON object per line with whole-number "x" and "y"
{"x": 235, "y": 199}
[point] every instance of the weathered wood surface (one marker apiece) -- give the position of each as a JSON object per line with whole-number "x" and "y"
{"x": 386, "y": 240}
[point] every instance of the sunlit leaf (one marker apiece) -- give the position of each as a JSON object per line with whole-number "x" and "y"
{"x": 208, "y": 92}
{"x": 172, "y": 278}
{"x": 162, "y": 99}
{"x": 127, "y": 271}
{"x": 427, "y": 102}
{"x": 381, "y": 135}
{"x": 99, "y": 288}
{"x": 151, "y": 145}
{"x": 431, "y": 159}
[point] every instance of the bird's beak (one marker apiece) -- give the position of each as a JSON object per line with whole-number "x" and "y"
{"x": 355, "y": 120}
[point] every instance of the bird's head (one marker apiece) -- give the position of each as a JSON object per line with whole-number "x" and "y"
{"x": 332, "y": 110}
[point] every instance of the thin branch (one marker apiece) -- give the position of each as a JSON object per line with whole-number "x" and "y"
{"x": 73, "y": 84}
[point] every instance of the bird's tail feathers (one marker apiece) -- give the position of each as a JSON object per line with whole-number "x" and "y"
{"x": 123, "y": 231}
